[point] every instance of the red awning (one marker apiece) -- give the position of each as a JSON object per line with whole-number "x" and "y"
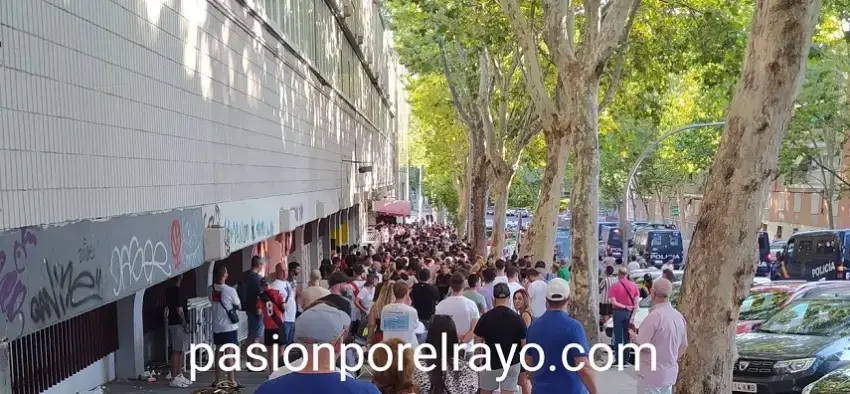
{"x": 392, "y": 207}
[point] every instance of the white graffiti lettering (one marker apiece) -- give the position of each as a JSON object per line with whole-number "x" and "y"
{"x": 130, "y": 264}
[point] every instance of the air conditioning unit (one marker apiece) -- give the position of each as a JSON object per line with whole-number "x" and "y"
{"x": 216, "y": 244}
{"x": 287, "y": 220}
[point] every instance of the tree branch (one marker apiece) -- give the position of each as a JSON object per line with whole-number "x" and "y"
{"x": 620, "y": 61}
{"x": 612, "y": 28}
{"x": 555, "y": 30}
{"x": 459, "y": 106}
{"x": 483, "y": 104}
{"x": 829, "y": 170}
{"x": 532, "y": 70}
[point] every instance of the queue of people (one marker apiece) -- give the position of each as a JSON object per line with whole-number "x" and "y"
{"x": 423, "y": 286}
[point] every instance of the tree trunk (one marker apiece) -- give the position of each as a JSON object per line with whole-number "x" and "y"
{"x": 500, "y": 188}
{"x": 720, "y": 274}
{"x": 830, "y": 206}
{"x": 463, "y": 206}
{"x": 584, "y": 203}
{"x": 683, "y": 210}
{"x": 539, "y": 240}
{"x": 479, "y": 207}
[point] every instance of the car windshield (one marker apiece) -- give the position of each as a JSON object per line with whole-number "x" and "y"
{"x": 763, "y": 304}
{"x": 674, "y": 297}
{"x": 811, "y": 317}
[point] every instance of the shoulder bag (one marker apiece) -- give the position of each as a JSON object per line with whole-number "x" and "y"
{"x": 232, "y": 313}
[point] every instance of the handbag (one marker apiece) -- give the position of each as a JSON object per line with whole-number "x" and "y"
{"x": 232, "y": 314}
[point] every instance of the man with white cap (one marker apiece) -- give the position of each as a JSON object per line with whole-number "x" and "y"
{"x": 553, "y": 332}
{"x": 321, "y": 324}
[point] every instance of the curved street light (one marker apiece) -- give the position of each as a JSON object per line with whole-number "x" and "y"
{"x": 624, "y": 212}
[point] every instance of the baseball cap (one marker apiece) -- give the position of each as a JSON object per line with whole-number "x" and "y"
{"x": 337, "y": 278}
{"x": 501, "y": 291}
{"x": 557, "y": 290}
{"x": 321, "y": 324}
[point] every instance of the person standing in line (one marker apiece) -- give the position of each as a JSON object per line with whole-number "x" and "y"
{"x": 178, "y": 331}
{"x": 500, "y": 329}
{"x": 321, "y": 324}
{"x": 513, "y": 283}
{"x": 609, "y": 260}
{"x": 536, "y": 292}
{"x": 365, "y": 300}
{"x": 548, "y": 274}
{"x": 473, "y": 282}
{"x": 624, "y": 296}
{"x": 313, "y": 292}
{"x": 486, "y": 290}
{"x": 284, "y": 287}
{"x": 249, "y": 289}
{"x": 564, "y": 270}
{"x": 271, "y": 304}
{"x": 424, "y": 296}
{"x": 605, "y": 285}
{"x": 664, "y": 328}
{"x": 668, "y": 264}
{"x": 553, "y": 332}
{"x": 501, "y": 276}
{"x": 522, "y": 303}
{"x": 399, "y": 319}
{"x": 633, "y": 264}
{"x": 462, "y": 310}
{"x": 225, "y": 303}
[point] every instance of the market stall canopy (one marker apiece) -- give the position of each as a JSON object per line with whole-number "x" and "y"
{"x": 392, "y": 207}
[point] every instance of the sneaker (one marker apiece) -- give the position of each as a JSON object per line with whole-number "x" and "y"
{"x": 184, "y": 379}
{"x": 177, "y": 382}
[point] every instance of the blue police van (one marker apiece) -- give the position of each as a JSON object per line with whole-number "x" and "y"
{"x": 816, "y": 255}
{"x": 657, "y": 246}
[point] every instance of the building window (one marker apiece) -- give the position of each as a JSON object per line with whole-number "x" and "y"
{"x": 778, "y": 232}
{"x": 781, "y": 201}
{"x": 798, "y": 202}
{"x": 816, "y": 204}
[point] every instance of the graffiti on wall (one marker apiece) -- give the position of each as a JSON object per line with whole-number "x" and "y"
{"x": 243, "y": 233}
{"x": 54, "y": 273}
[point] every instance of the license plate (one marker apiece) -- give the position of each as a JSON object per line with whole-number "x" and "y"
{"x": 745, "y": 387}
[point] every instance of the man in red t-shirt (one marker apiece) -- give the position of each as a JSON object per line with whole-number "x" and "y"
{"x": 624, "y": 300}
{"x": 270, "y": 304}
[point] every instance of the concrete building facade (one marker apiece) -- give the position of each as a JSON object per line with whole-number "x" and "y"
{"x": 144, "y": 139}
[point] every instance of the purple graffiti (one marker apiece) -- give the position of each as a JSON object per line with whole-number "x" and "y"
{"x": 13, "y": 292}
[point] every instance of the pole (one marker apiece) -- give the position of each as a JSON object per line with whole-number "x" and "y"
{"x": 624, "y": 212}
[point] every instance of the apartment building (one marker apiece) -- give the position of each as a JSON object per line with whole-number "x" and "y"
{"x": 145, "y": 139}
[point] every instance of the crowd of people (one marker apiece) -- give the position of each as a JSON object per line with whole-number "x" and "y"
{"x": 425, "y": 286}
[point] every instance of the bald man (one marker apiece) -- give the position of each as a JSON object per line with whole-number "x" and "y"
{"x": 314, "y": 290}
{"x": 664, "y": 329}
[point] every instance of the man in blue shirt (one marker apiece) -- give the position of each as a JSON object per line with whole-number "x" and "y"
{"x": 553, "y": 332}
{"x": 320, "y": 324}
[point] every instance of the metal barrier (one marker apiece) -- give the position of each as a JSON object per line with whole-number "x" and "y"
{"x": 199, "y": 316}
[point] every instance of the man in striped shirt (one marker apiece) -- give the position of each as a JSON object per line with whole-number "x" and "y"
{"x": 605, "y": 285}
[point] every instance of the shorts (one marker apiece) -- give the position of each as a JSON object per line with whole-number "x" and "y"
{"x": 642, "y": 388}
{"x": 271, "y": 339}
{"x": 179, "y": 338}
{"x": 488, "y": 380}
{"x": 225, "y": 338}
{"x": 606, "y": 309}
{"x": 255, "y": 326}
{"x": 288, "y": 332}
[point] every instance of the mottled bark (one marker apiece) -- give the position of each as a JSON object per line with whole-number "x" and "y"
{"x": 720, "y": 269}
{"x": 479, "y": 207}
{"x": 539, "y": 241}
{"x": 584, "y": 205}
{"x": 499, "y": 189}
{"x": 463, "y": 206}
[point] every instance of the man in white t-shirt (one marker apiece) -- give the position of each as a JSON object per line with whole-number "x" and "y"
{"x": 462, "y": 310}
{"x": 513, "y": 284}
{"x": 224, "y": 299}
{"x": 537, "y": 292}
{"x": 500, "y": 272}
{"x": 399, "y": 319}
{"x": 290, "y": 306}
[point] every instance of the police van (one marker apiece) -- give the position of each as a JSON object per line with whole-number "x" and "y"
{"x": 657, "y": 246}
{"x": 612, "y": 241}
{"x": 764, "y": 259}
{"x": 816, "y": 255}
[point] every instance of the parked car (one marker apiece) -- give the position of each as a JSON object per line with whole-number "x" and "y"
{"x": 835, "y": 382}
{"x": 766, "y": 300}
{"x": 794, "y": 348}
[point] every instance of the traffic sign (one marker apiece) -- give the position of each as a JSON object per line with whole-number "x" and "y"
{"x": 674, "y": 210}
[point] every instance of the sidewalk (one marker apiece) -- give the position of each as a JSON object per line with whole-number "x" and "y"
{"x": 610, "y": 382}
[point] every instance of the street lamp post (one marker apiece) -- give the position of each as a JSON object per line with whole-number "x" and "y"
{"x": 624, "y": 211}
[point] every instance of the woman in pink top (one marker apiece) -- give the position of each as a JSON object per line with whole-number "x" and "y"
{"x": 624, "y": 300}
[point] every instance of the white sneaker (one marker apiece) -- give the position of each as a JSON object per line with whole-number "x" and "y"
{"x": 180, "y": 382}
